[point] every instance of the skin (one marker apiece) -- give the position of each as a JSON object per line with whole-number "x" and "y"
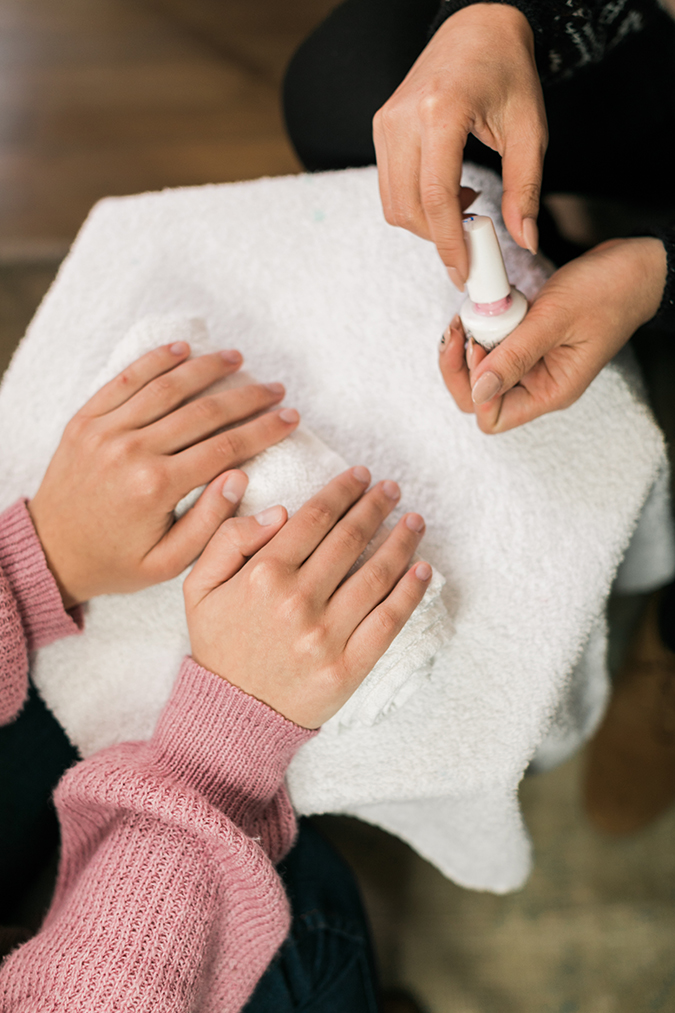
{"x": 269, "y": 608}
{"x": 581, "y": 318}
{"x": 478, "y": 75}
{"x": 104, "y": 512}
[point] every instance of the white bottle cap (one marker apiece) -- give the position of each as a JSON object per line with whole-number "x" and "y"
{"x": 487, "y": 281}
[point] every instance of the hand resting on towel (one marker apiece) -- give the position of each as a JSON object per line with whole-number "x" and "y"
{"x": 269, "y": 609}
{"x": 104, "y": 512}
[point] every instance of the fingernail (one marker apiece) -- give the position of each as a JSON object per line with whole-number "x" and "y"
{"x": 391, "y": 490}
{"x": 485, "y": 388}
{"x": 289, "y": 415}
{"x": 231, "y": 355}
{"x": 422, "y": 571}
{"x": 274, "y": 388}
{"x": 179, "y": 348}
{"x": 531, "y": 234}
{"x": 273, "y": 515}
{"x": 456, "y": 278}
{"x": 234, "y": 486}
{"x": 451, "y": 332}
{"x": 415, "y": 522}
{"x": 361, "y": 474}
{"x": 470, "y": 351}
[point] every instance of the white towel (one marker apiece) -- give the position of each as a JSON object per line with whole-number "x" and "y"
{"x": 305, "y": 277}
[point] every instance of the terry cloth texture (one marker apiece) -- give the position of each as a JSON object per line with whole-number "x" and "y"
{"x": 529, "y": 528}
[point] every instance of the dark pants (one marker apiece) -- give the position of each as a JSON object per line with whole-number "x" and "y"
{"x": 326, "y": 965}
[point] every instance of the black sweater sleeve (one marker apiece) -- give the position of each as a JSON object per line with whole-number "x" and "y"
{"x": 568, "y": 34}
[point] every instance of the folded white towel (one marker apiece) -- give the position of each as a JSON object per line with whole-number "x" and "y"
{"x": 305, "y": 277}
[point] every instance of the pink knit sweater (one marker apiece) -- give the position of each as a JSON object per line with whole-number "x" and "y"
{"x": 167, "y": 898}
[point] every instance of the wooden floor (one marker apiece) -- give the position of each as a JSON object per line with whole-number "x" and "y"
{"x": 103, "y": 97}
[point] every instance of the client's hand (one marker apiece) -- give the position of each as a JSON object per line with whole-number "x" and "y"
{"x": 104, "y": 511}
{"x": 282, "y": 625}
{"x": 583, "y": 315}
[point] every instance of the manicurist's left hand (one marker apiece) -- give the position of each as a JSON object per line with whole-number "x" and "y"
{"x": 104, "y": 512}
{"x": 581, "y": 318}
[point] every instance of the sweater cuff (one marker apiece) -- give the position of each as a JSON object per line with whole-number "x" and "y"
{"x": 37, "y": 595}
{"x": 231, "y": 748}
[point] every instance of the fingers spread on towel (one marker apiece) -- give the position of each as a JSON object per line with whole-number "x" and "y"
{"x": 371, "y": 584}
{"x": 330, "y": 563}
{"x": 187, "y": 538}
{"x": 201, "y": 463}
{"x": 205, "y": 416}
{"x": 134, "y": 377}
{"x": 312, "y": 522}
{"x": 165, "y": 392}
{"x": 373, "y": 636}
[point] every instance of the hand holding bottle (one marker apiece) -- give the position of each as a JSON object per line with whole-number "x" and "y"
{"x": 581, "y": 318}
{"x": 476, "y": 76}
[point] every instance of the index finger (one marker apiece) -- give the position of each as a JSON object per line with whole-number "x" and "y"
{"x": 440, "y": 194}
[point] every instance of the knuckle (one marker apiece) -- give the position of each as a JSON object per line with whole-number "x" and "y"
{"x": 264, "y": 572}
{"x": 319, "y": 514}
{"x": 163, "y": 386}
{"x": 150, "y": 481}
{"x": 208, "y": 408}
{"x": 378, "y": 575}
{"x": 434, "y": 196}
{"x": 387, "y": 619}
{"x": 429, "y": 106}
{"x": 232, "y": 446}
{"x": 353, "y": 535}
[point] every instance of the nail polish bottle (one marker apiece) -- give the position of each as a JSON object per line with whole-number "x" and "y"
{"x": 494, "y": 307}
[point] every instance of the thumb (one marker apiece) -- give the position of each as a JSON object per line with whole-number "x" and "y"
{"x": 512, "y": 359}
{"x": 233, "y": 544}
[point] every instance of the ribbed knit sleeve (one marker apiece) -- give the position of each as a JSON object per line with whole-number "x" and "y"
{"x": 31, "y": 609}
{"x": 167, "y": 898}
{"x": 570, "y": 35}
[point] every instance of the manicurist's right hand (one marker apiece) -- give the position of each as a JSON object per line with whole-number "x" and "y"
{"x": 269, "y": 609}
{"x": 476, "y": 76}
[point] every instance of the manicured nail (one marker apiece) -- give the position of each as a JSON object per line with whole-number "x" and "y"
{"x": 273, "y": 515}
{"x": 422, "y": 571}
{"x": 531, "y": 234}
{"x": 289, "y": 415}
{"x": 415, "y": 522}
{"x": 391, "y": 490}
{"x": 485, "y": 388}
{"x": 470, "y": 352}
{"x": 234, "y": 486}
{"x": 179, "y": 348}
{"x": 231, "y": 356}
{"x": 451, "y": 332}
{"x": 275, "y": 388}
{"x": 361, "y": 474}
{"x": 456, "y": 278}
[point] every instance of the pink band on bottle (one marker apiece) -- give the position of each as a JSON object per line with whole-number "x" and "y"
{"x": 493, "y": 309}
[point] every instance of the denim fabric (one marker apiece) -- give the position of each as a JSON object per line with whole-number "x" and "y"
{"x": 326, "y": 965}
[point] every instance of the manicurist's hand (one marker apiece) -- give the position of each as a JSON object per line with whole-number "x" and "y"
{"x": 267, "y": 608}
{"x": 104, "y": 510}
{"x": 476, "y": 76}
{"x": 581, "y": 318}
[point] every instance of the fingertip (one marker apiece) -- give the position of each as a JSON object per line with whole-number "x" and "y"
{"x": 271, "y": 517}
{"x": 422, "y": 571}
{"x": 179, "y": 349}
{"x": 232, "y": 356}
{"x": 530, "y": 235}
{"x": 234, "y": 486}
{"x": 290, "y": 416}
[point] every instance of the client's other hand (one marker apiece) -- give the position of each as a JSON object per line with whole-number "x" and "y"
{"x": 269, "y": 609}
{"x": 104, "y": 512}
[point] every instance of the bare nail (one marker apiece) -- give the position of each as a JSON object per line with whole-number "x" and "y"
{"x": 179, "y": 348}
{"x": 231, "y": 356}
{"x": 361, "y": 474}
{"x": 415, "y": 522}
{"x": 456, "y": 278}
{"x": 485, "y": 388}
{"x": 391, "y": 490}
{"x": 234, "y": 486}
{"x": 531, "y": 234}
{"x": 275, "y": 388}
{"x": 289, "y": 415}
{"x": 422, "y": 571}
{"x": 273, "y": 515}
